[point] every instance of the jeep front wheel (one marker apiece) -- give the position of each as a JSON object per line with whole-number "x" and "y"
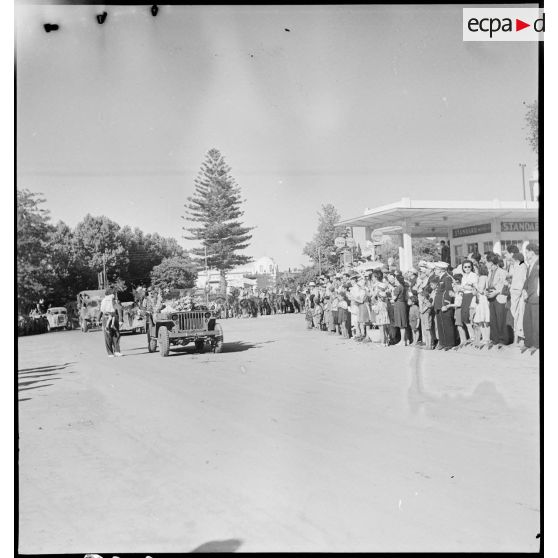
{"x": 164, "y": 342}
{"x": 218, "y": 347}
{"x": 151, "y": 343}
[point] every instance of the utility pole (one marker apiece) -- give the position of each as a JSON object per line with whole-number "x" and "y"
{"x": 522, "y": 165}
{"x": 319, "y": 260}
{"x": 104, "y": 270}
{"x": 207, "y": 278}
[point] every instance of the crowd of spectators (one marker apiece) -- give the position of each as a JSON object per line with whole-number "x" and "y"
{"x": 489, "y": 300}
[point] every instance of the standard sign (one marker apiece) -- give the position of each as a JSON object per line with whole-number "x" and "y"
{"x": 472, "y": 230}
{"x": 520, "y": 226}
{"x": 339, "y": 242}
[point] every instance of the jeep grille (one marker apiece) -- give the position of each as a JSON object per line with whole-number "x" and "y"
{"x": 191, "y": 320}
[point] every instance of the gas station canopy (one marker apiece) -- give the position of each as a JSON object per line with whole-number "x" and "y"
{"x": 436, "y": 218}
{"x": 471, "y": 225}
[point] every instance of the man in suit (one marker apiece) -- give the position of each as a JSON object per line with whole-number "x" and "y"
{"x": 496, "y": 300}
{"x": 531, "y": 297}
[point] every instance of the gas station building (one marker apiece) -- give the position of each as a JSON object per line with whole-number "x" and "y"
{"x": 469, "y": 226}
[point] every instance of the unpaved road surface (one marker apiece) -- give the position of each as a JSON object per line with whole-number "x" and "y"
{"x": 290, "y": 440}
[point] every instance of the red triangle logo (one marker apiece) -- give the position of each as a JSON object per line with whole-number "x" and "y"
{"x": 519, "y": 25}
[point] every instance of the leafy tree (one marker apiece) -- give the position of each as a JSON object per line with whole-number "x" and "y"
{"x": 532, "y": 121}
{"x": 216, "y": 207}
{"x": 33, "y": 266}
{"x": 97, "y": 241}
{"x": 145, "y": 251}
{"x": 178, "y": 272}
{"x": 321, "y": 249}
{"x": 70, "y": 273}
{"x": 307, "y": 274}
{"x": 56, "y": 262}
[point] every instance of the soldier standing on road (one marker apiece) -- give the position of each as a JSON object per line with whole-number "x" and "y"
{"x": 109, "y": 319}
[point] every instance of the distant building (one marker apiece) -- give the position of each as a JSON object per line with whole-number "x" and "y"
{"x": 262, "y": 274}
{"x": 265, "y": 266}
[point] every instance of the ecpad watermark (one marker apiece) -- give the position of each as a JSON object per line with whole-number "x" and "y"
{"x": 503, "y": 24}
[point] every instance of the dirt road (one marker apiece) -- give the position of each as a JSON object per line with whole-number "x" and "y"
{"x": 290, "y": 440}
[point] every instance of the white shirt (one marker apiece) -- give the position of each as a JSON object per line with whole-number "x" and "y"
{"x": 468, "y": 281}
{"x": 519, "y": 274}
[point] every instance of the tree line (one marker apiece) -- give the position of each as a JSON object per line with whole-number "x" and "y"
{"x": 55, "y": 261}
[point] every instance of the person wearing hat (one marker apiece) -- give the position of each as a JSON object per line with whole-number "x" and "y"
{"x": 359, "y": 309}
{"x": 442, "y": 310}
{"x": 422, "y": 276}
{"x": 379, "y": 297}
{"x": 109, "y": 321}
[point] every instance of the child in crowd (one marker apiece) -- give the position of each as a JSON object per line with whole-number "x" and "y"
{"x": 318, "y": 313}
{"x": 457, "y": 301}
{"x": 426, "y": 317}
{"x": 309, "y": 316}
{"x": 481, "y": 319}
{"x": 414, "y": 318}
{"x": 342, "y": 309}
{"x": 381, "y": 312}
{"x": 335, "y": 313}
{"x": 328, "y": 316}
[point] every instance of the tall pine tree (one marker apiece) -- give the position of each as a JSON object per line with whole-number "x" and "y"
{"x": 215, "y": 206}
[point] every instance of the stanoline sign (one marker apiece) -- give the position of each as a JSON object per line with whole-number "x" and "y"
{"x": 472, "y": 230}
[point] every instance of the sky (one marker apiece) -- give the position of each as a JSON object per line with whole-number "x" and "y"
{"x": 357, "y": 106}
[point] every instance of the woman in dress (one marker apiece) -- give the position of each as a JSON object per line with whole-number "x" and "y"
{"x": 481, "y": 318}
{"x": 358, "y": 296}
{"x": 379, "y": 304}
{"x": 469, "y": 283}
{"x": 318, "y": 313}
{"x": 400, "y": 308}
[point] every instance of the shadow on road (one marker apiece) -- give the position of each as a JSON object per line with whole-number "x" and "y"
{"x": 35, "y": 378}
{"x": 229, "y": 545}
{"x": 239, "y": 346}
{"x": 48, "y": 368}
{"x": 234, "y": 347}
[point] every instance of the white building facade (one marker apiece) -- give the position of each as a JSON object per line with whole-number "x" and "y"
{"x": 245, "y": 276}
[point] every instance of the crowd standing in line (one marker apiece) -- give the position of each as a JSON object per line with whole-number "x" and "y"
{"x": 486, "y": 301}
